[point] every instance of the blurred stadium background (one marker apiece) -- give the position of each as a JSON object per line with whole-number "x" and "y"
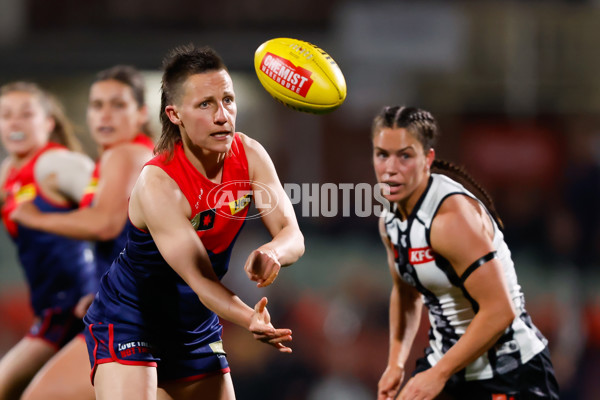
{"x": 515, "y": 87}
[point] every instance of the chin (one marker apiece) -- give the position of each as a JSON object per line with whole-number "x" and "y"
{"x": 221, "y": 145}
{"x": 19, "y": 150}
{"x": 394, "y": 198}
{"x": 218, "y": 147}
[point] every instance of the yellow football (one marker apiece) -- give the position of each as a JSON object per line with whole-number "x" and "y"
{"x": 300, "y": 75}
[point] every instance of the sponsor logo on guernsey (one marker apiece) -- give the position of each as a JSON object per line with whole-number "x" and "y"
{"x": 136, "y": 347}
{"x": 217, "y": 347}
{"x": 238, "y": 205}
{"x": 91, "y": 186}
{"x": 285, "y": 73}
{"x": 25, "y": 193}
{"x": 204, "y": 220}
{"x": 232, "y": 197}
{"x": 420, "y": 255}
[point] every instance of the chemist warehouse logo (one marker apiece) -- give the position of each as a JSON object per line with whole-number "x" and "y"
{"x": 285, "y": 73}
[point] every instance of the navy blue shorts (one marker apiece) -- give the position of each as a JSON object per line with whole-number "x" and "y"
{"x": 532, "y": 380}
{"x": 56, "y": 327}
{"x": 125, "y": 344}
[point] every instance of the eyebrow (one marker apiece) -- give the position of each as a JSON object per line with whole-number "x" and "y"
{"x": 394, "y": 151}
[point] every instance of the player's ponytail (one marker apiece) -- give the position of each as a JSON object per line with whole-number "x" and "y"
{"x": 460, "y": 175}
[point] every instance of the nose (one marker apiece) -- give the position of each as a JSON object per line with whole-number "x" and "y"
{"x": 390, "y": 166}
{"x": 105, "y": 113}
{"x": 220, "y": 117}
{"x": 13, "y": 123}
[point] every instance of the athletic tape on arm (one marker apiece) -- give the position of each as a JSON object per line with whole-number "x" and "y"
{"x": 478, "y": 263}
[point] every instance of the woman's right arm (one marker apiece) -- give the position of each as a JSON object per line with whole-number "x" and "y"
{"x": 158, "y": 205}
{"x": 405, "y": 316}
{"x": 106, "y": 217}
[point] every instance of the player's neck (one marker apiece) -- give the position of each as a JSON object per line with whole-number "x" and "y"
{"x": 19, "y": 160}
{"x": 406, "y": 206}
{"x": 208, "y": 163}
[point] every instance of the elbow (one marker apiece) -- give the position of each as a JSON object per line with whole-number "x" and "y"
{"x": 294, "y": 251}
{"x": 511, "y": 315}
{"x": 505, "y": 317}
{"x": 107, "y": 231}
{"x": 300, "y": 246}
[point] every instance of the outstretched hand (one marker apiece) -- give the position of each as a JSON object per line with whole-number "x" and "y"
{"x": 263, "y": 330}
{"x": 262, "y": 266}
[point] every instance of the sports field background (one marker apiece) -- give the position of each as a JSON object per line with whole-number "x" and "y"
{"x": 515, "y": 87}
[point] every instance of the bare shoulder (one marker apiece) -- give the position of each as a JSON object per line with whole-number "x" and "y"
{"x": 259, "y": 160}
{"x": 4, "y": 167}
{"x": 154, "y": 180}
{"x": 458, "y": 208}
{"x": 461, "y": 231}
{"x": 125, "y": 151}
{"x": 252, "y": 147}
{"x": 153, "y": 194}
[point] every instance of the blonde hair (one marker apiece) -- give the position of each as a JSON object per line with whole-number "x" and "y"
{"x": 64, "y": 131}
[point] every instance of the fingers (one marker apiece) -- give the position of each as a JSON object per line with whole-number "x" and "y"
{"x": 259, "y": 308}
{"x": 271, "y": 277}
{"x": 248, "y": 266}
{"x": 262, "y": 267}
{"x": 277, "y": 339}
{"x": 263, "y": 331}
{"x": 273, "y": 334}
{"x": 282, "y": 348}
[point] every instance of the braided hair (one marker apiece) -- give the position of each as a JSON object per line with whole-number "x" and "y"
{"x": 460, "y": 175}
{"x": 423, "y": 126}
{"x": 418, "y": 122}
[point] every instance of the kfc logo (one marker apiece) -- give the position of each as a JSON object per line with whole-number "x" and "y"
{"x": 420, "y": 256}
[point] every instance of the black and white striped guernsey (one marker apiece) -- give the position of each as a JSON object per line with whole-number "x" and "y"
{"x": 450, "y": 306}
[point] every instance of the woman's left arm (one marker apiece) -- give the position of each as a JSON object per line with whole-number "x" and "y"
{"x": 462, "y": 232}
{"x": 278, "y": 215}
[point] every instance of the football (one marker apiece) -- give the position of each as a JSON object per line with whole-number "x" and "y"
{"x": 300, "y": 75}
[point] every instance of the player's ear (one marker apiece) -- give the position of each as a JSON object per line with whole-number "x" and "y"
{"x": 430, "y": 156}
{"x": 172, "y": 114}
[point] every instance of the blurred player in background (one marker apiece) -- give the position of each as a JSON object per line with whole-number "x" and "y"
{"x": 117, "y": 118}
{"x": 445, "y": 250}
{"x": 43, "y": 169}
{"x": 154, "y": 321}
